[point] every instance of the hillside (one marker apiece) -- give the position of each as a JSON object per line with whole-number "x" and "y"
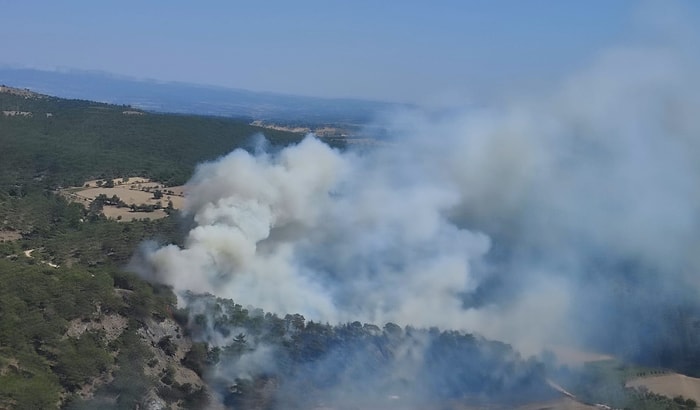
{"x": 80, "y": 330}
{"x": 196, "y": 99}
{"x": 74, "y": 325}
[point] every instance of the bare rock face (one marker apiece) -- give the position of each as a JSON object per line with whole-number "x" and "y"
{"x": 112, "y": 325}
{"x": 153, "y": 402}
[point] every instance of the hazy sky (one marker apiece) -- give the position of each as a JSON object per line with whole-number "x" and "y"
{"x": 408, "y": 51}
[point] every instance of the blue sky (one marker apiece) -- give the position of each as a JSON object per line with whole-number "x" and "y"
{"x": 407, "y": 51}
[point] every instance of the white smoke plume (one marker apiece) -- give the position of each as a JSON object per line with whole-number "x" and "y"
{"x": 511, "y": 221}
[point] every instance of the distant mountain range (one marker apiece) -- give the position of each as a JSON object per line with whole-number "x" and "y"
{"x": 194, "y": 99}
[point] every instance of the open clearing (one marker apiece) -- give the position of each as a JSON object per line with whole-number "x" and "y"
{"x": 130, "y": 196}
{"x": 7, "y": 236}
{"x": 670, "y": 385}
{"x": 112, "y": 212}
{"x": 138, "y": 191}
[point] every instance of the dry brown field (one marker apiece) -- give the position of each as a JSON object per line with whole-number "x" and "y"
{"x": 670, "y": 385}
{"x": 7, "y": 236}
{"x": 130, "y": 196}
{"x": 135, "y": 191}
{"x": 112, "y": 212}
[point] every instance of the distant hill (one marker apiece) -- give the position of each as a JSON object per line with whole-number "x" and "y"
{"x": 194, "y": 99}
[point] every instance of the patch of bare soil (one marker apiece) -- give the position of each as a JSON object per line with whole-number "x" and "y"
{"x": 132, "y": 191}
{"x": 10, "y": 365}
{"x": 670, "y": 385}
{"x": 118, "y": 181}
{"x": 130, "y": 196}
{"x": 126, "y": 215}
{"x": 22, "y": 92}
{"x": 7, "y": 236}
{"x": 298, "y": 130}
{"x": 17, "y": 113}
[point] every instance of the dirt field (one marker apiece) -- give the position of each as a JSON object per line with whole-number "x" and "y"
{"x": 118, "y": 181}
{"x": 7, "y": 236}
{"x": 113, "y": 212}
{"x": 669, "y": 385}
{"x": 135, "y": 191}
{"x": 130, "y": 196}
{"x": 177, "y": 190}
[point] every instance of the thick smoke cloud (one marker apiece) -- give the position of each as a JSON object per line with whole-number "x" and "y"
{"x": 573, "y": 216}
{"x": 332, "y": 236}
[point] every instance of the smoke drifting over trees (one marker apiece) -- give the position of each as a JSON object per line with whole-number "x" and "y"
{"x": 569, "y": 218}
{"x": 539, "y": 193}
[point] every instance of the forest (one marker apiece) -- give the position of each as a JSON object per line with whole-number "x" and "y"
{"x": 65, "y": 142}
